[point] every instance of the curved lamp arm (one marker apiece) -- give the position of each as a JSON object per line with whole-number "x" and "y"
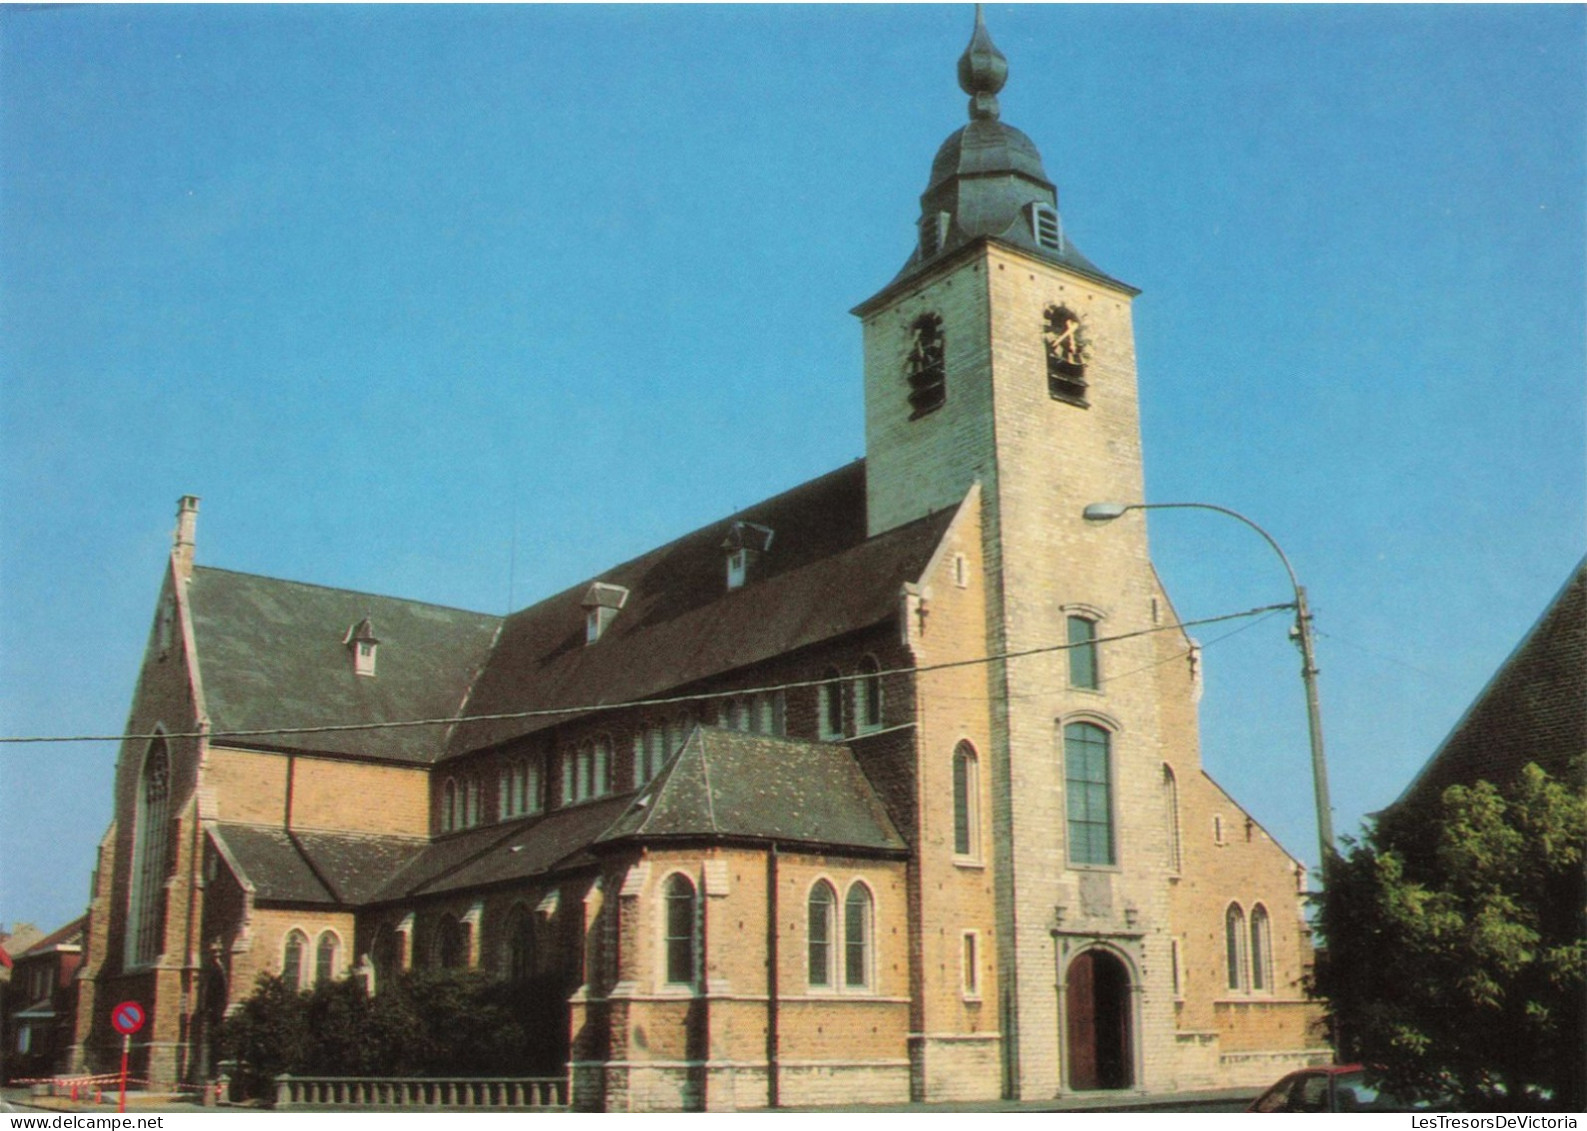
{"x": 1107, "y": 512}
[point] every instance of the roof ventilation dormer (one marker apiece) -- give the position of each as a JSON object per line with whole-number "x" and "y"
{"x": 601, "y": 604}
{"x": 746, "y": 543}
{"x": 361, "y": 641}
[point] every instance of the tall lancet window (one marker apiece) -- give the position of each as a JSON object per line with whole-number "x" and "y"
{"x": 146, "y": 911}
{"x": 926, "y": 366}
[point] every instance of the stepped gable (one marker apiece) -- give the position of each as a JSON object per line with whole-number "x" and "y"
{"x": 680, "y": 624}
{"x": 276, "y": 653}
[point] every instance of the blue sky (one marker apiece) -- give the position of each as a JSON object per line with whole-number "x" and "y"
{"x": 384, "y": 284}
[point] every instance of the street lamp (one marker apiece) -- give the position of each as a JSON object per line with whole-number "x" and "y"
{"x": 1107, "y": 512}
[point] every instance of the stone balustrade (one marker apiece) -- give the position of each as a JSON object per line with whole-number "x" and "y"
{"x": 420, "y": 1093}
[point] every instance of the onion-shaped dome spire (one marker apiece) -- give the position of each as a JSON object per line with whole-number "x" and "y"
{"x": 987, "y": 180}
{"x": 982, "y": 71}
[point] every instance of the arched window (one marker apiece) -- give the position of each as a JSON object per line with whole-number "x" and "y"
{"x": 830, "y": 706}
{"x": 680, "y": 930}
{"x": 868, "y": 695}
{"x": 1261, "y": 950}
{"x": 966, "y": 801}
{"x": 521, "y": 944}
{"x": 151, "y": 847}
{"x": 385, "y": 953}
{"x": 448, "y": 805}
{"x": 925, "y": 366}
{"x": 470, "y": 804}
{"x": 1088, "y": 782}
{"x": 1234, "y": 945}
{"x": 504, "y": 785}
{"x": 292, "y": 954}
{"x": 325, "y": 957}
{"x": 1171, "y": 815}
{"x": 450, "y": 948}
{"x": 1084, "y": 671}
{"x": 822, "y": 912}
{"x": 1067, "y": 352}
{"x": 857, "y": 932}
{"x": 601, "y": 767}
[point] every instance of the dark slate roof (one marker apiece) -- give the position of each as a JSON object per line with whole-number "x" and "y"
{"x": 333, "y": 869}
{"x": 726, "y": 784}
{"x": 822, "y": 578}
{"x": 1533, "y": 710}
{"x": 553, "y": 841}
{"x": 356, "y": 867}
{"x": 274, "y": 653}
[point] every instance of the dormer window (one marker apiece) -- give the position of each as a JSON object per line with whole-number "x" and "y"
{"x": 601, "y": 606}
{"x": 1045, "y": 227}
{"x": 746, "y": 543}
{"x": 933, "y": 233}
{"x": 361, "y": 642}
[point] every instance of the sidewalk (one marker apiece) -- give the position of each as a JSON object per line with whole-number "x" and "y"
{"x": 1227, "y": 1099}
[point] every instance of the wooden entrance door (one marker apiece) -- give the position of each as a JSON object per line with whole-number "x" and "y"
{"x": 1097, "y": 1013}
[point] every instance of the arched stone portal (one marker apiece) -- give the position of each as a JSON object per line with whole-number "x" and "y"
{"x": 1097, "y": 1012}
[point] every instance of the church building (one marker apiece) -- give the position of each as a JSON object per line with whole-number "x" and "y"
{"x": 885, "y": 788}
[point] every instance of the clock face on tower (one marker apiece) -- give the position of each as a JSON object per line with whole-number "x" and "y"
{"x": 1067, "y": 352}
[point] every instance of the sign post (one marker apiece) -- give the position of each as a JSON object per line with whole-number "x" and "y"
{"x": 127, "y": 1018}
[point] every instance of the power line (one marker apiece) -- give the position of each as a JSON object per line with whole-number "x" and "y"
{"x": 632, "y": 704}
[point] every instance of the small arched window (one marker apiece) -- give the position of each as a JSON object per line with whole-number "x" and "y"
{"x": 521, "y": 944}
{"x": 821, "y": 919}
{"x": 830, "y": 704}
{"x": 858, "y": 908}
{"x": 680, "y": 937}
{"x": 601, "y": 767}
{"x": 385, "y": 953}
{"x": 470, "y": 804}
{"x": 868, "y": 695}
{"x": 448, "y": 805}
{"x": 450, "y": 949}
{"x": 1261, "y": 951}
{"x": 1084, "y": 671}
{"x": 966, "y": 801}
{"x": 292, "y": 955}
{"x": 1171, "y": 816}
{"x": 1234, "y": 946}
{"x": 325, "y": 957}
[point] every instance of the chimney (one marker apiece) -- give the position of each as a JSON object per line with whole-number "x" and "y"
{"x": 182, "y": 538}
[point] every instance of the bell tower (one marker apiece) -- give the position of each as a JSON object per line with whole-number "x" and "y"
{"x": 1001, "y": 355}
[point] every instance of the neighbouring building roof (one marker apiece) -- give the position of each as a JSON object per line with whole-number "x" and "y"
{"x": 731, "y": 785}
{"x": 822, "y": 578}
{"x": 275, "y": 653}
{"x": 1533, "y": 710}
{"x": 71, "y": 935}
{"x": 330, "y": 869}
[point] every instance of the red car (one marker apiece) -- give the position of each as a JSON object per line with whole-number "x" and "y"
{"x": 1331, "y": 1088}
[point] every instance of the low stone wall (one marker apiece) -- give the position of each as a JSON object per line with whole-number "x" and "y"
{"x": 307, "y": 1093}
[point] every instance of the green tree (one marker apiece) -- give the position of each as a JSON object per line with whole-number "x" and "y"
{"x": 1456, "y": 946}
{"x": 267, "y": 1035}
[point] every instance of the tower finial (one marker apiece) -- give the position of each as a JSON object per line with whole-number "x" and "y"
{"x": 982, "y": 72}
